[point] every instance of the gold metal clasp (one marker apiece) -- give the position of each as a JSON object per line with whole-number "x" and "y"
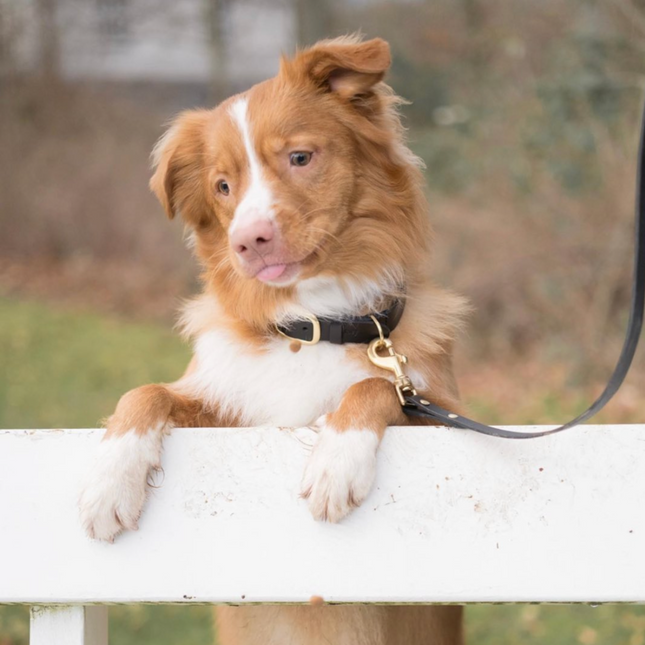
{"x": 392, "y": 362}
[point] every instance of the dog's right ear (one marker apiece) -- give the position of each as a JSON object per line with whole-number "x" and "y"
{"x": 347, "y": 66}
{"x": 177, "y": 161}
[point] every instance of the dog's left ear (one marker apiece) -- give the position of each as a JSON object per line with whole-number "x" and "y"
{"x": 177, "y": 162}
{"x": 346, "y": 66}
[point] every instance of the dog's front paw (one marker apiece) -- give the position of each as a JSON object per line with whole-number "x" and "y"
{"x": 114, "y": 491}
{"x": 340, "y": 472}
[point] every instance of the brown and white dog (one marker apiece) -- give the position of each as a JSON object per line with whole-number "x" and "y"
{"x": 302, "y": 199}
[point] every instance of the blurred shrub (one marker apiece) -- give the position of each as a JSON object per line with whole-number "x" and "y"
{"x": 74, "y": 176}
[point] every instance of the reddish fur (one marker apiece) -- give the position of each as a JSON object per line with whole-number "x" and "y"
{"x": 372, "y": 625}
{"x": 152, "y": 406}
{"x": 329, "y": 98}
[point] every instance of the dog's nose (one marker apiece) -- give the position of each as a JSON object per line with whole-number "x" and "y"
{"x": 256, "y": 238}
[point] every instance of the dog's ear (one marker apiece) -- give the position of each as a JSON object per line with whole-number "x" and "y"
{"x": 346, "y": 66}
{"x": 177, "y": 160}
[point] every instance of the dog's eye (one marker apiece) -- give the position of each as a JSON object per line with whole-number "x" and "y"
{"x": 223, "y": 187}
{"x": 300, "y": 158}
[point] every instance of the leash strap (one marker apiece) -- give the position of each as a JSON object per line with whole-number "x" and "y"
{"x": 415, "y": 405}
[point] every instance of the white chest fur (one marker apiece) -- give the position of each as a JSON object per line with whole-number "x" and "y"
{"x": 272, "y": 387}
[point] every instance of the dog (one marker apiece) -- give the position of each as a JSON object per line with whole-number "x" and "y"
{"x": 307, "y": 213}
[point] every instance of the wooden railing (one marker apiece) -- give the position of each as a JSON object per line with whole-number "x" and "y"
{"x": 454, "y": 517}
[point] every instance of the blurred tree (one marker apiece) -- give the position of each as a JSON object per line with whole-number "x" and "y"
{"x": 315, "y": 21}
{"x": 216, "y": 14}
{"x": 48, "y": 36}
{"x": 474, "y": 14}
{"x": 474, "y": 19}
{"x": 5, "y": 35}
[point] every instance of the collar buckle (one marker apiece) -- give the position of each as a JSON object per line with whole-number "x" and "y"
{"x": 315, "y": 331}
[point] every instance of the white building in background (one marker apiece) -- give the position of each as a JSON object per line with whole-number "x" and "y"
{"x": 167, "y": 41}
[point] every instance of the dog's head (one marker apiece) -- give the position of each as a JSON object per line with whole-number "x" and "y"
{"x": 303, "y": 175}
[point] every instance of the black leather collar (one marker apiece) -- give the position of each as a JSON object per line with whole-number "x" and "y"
{"x": 353, "y": 329}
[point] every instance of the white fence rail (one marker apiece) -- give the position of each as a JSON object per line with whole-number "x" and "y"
{"x": 454, "y": 518}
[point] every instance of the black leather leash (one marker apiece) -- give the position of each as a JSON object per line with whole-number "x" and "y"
{"x": 415, "y": 405}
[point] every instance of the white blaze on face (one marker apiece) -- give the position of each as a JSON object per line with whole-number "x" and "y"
{"x": 257, "y": 201}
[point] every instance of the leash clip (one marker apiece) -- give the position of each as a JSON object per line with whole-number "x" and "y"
{"x": 392, "y": 362}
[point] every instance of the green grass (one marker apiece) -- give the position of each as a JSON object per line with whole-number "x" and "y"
{"x": 555, "y": 625}
{"x": 129, "y": 625}
{"x": 67, "y": 369}
{"x": 62, "y": 369}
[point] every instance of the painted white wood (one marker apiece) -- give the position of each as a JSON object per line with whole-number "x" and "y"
{"x": 68, "y": 625}
{"x": 454, "y": 517}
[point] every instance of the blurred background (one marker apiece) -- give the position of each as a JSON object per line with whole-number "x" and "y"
{"x": 526, "y": 114}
